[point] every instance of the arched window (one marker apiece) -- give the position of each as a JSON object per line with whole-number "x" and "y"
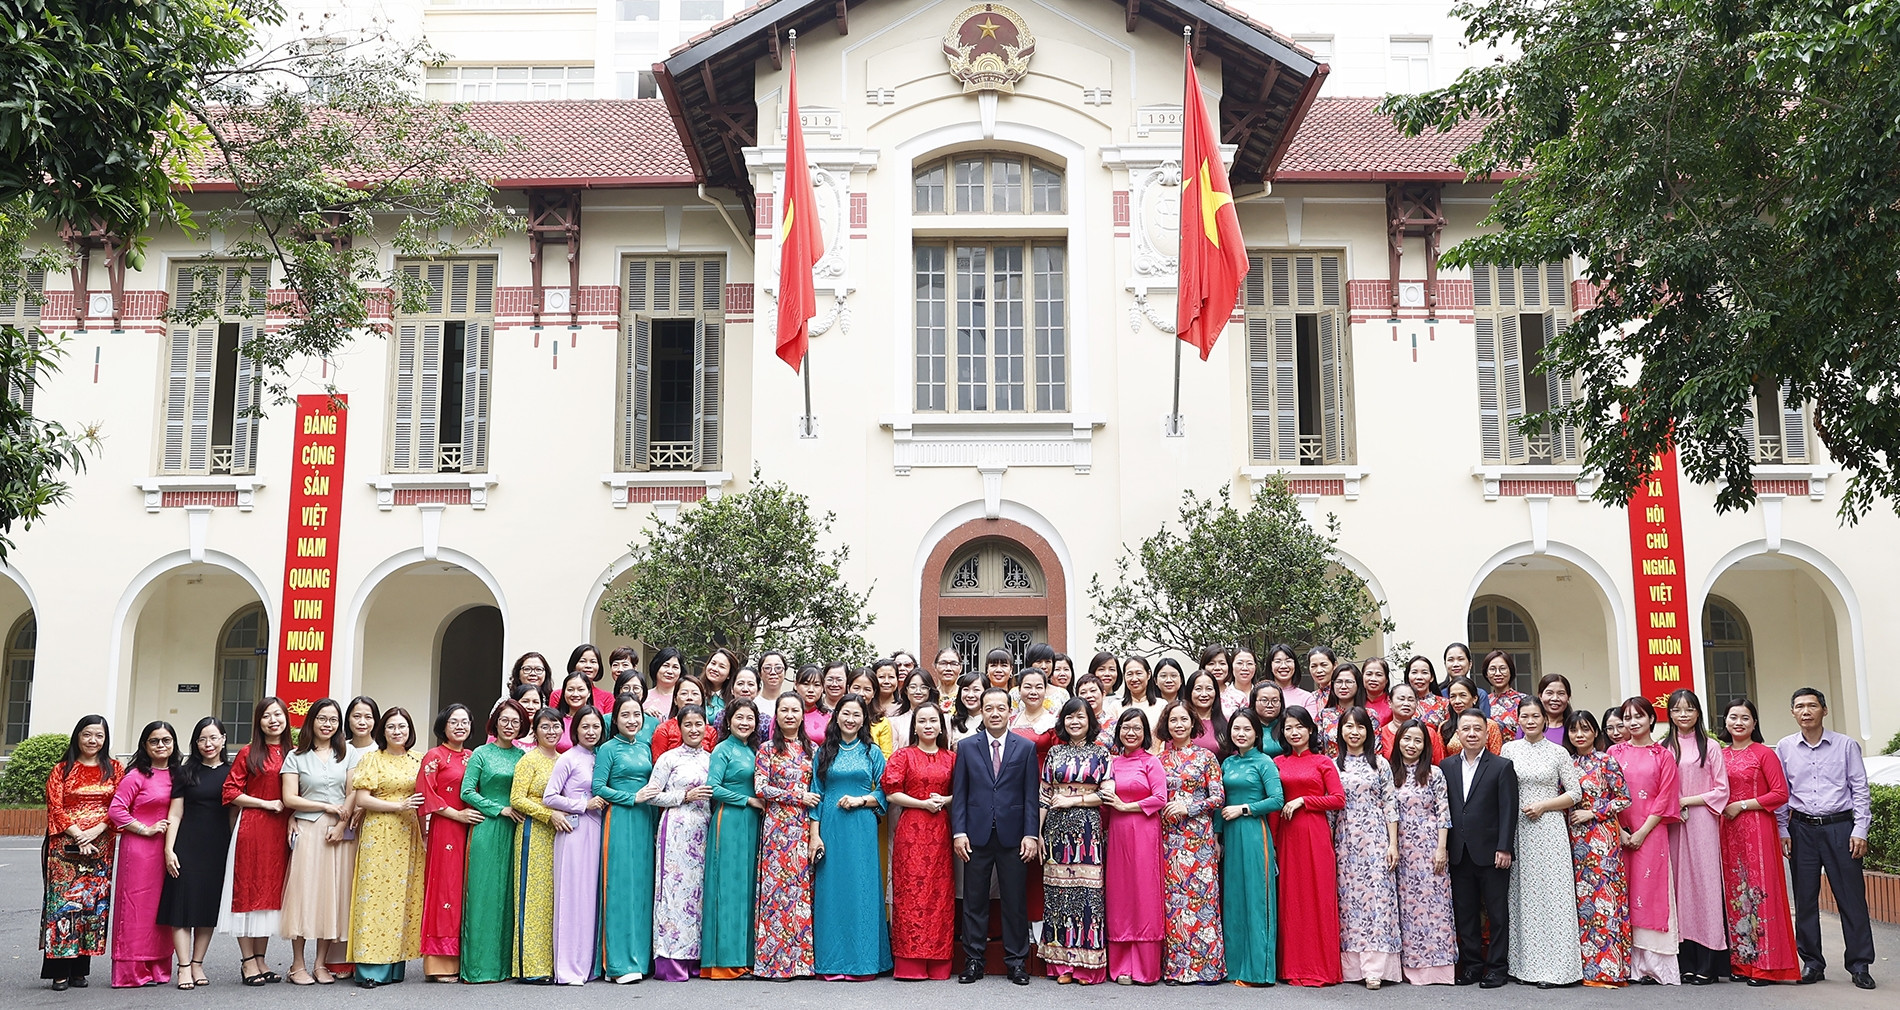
{"x": 18, "y": 686}
{"x": 994, "y": 570}
{"x": 242, "y": 648}
{"x": 991, "y": 316}
{"x": 1498, "y": 623}
{"x": 1728, "y": 652}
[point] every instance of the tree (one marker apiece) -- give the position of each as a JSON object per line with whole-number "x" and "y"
{"x": 743, "y": 571}
{"x": 114, "y": 108}
{"x": 1254, "y": 578}
{"x": 1727, "y": 172}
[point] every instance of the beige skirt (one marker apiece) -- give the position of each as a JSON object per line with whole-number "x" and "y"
{"x": 317, "y": 888}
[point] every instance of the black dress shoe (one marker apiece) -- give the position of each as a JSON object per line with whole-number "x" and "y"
{"x": 1021, "y": 977}
{"x": 79, "y": 981}
{"x": 60, "y": 984}
{"x": 1467, "y": 978}
{"x": 1492, "y": 982}
{"x": 1864, "y": 980}
{"x": 1759, "y": 981}
{"x": 972, "y": 971}
{"x": 1548, "y": 985}
{"x": 1809, "y": 976}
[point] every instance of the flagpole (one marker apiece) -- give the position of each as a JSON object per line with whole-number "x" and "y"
{"x": 1175, "y": 428}
{"x": 807, "y": 425}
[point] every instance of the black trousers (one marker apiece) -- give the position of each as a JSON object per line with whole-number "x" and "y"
{"x": 1012, "y": 883}
{"x": 1480, "y": 891}
{"x": 1811, "y": 849}
{"x": 55, "y": 968}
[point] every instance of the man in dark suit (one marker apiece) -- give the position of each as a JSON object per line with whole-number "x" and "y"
{"x": 995, "y": 823}
{"x": 1483, "y": 837}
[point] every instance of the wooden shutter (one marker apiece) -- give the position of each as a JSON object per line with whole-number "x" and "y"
{"x": 1750, "y": 429}
{"x": 429, "y": 397}
{"x": 707, "y": 355}
{"x": 202, "y": 377}
{"x": 23, "y": 305}
{"x": 1794, "y": 425}
{"x": 1260, "y": 383}
{"x": 1563, "y": 393}
{"x": 1511, "y": 374}
{"x": 249, "y": 380}
{"x": 662, "y": 285}
{"x": 402, "y": 438}
{"x": 636, "y": 391}
{"x": 1490, "y": 420}
{"x": 476, "y": 351}
{"x": 1254, "y": 290}
{"x": 1481, "y": 286}
{"x": 1329, "y": 422}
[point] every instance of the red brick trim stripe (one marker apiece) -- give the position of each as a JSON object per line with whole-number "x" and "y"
{"x": 1520, "y": 488}
{"x": 1325, "y": 488}
{"x": 215, "y": 499}
{"x": 1794, "y": 487}
{"x": 431, "y": 496}
{"x": 666, "y": 492}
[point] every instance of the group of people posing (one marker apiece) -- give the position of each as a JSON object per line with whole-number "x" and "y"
{"x": 1130, "y": 822}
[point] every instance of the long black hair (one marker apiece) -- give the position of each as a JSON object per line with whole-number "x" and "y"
{"x": 71, "y": 760}
{"x": 142, "y": 758}
{"x": 1216, "y": 715}
{"x": 186, "y": 771}
{"x": 1721, "y": 728}
{"x": 1424, "y": 774}
{"x": 964, "y": 713}
{"x": 799, "y": 734}
{"x": 1269, "y": 730}
{"x": 834, "y": 734}
{"x": 1582, "y": 717}
{"x": 1368, "y": 750}
{"x": 1251, "y": 718}
{"x": 257, "y": 752}
{"x": 1701, "y": 738}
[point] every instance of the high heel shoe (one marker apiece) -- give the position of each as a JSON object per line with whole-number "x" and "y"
{"x": 185, "y": 981}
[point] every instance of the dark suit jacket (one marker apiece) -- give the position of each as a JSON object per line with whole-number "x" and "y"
{"x": 986, "y": 806}
{"x": 1486, "y": 824}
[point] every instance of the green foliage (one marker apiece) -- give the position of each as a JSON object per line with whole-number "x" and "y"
{"x": 27, "y": 767}
{"x": 1883, "y": 839}
{"x": 1253, "y": 578}
{"x": 1893, "y": 745}
{"x": 334, "y": 153}
{"x": 744, "y": 571}
{"x": 1726, "y": 170}
{"x": 93, "y": 126}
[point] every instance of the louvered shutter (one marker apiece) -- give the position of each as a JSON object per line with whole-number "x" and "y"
{"x": 662, "y": 285}
{"x": 1331, "y": 422}
{"x": 637, "y": 285}
{"x": 437, "y": 276}
{"x": 712, "y": 289}
{"x": 402, "y": 441}
{"x": 1260, "y": 383}
{"x": 1750, "y": 428}
{"x": 484, "y": 294}
{"x": 203, "y": 375}
{"x": 1481, "y": 286}
{"x": 1490, "y": 429}
{"x": 1563, "y": 393}
{"x": 244, "y": 405}
{"x": 1507, "y": 286}
{"x": 458, "y": 289}
{"x": 1794, "y": 425}
{"x": 1254, "y": 289}
{"x": 1532, "y": 295}
{"x": 709, "y": 354}
{"x": 476, "y": 352}
{"x": 24, "y": 305}
{"x": 1555, "y": 287}
{"x": 1282, "y": 283}
{"x": 429, "y": 398}
{"x": 1511, "y": 372}
{"x": 639, "y": 381}
{"x": 1286, "y": 391}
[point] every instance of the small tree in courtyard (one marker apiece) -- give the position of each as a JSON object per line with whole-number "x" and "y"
{"x": 1251, "y": 577}
{"x": 744, "y": 571}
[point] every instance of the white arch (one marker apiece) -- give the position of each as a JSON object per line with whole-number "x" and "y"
{"x": 1358, "y": 567}
{"x": 139, "y": 592}
{"x": 26, "y": 588}
{"x": 1012, "y": 510}
{"x": 1625, "y": 651}
{"x": 597, "y": 591}
{"x": 1834, "y": 586}
{"x": 346, "y": 668}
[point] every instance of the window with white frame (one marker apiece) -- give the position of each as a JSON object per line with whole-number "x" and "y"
{"x": 441, "y": 360}
{"x": 1321, "y": 46}
{"x": 1299, "y": 359}
{"x": 20, "y": 298}
{"x": 508, "y": 83}
{"x": 211, "y": 390}
{"x": 671, "y": 352}
{"x": 990, "y": 327}
{"x": 1776, "y": 428}
{"x": 1411, "y": 67}
{"x": 1520, "y": 311}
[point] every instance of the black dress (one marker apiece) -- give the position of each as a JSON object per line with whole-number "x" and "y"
{"x": 192, "y": 898}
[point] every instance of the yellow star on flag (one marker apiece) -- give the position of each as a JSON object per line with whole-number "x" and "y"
{"x": 1212, "y": 200}
{"x": 989, "y": 28}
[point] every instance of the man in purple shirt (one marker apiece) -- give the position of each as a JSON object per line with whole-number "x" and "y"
{"x": 1824, "y": 825}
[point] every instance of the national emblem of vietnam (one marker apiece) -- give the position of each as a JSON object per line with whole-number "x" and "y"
{"x": 988, "y": 47}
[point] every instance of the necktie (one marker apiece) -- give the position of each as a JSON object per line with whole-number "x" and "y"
{"x": 996, "y": 756}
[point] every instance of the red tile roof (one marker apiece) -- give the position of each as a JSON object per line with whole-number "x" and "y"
{"x": 599, "y": 143}
{"x": 1346, "y": 139}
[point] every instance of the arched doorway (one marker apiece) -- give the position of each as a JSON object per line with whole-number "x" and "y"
{"x": 243, "y": 647}
{"x": 993, "y": 584}
{"x": 469, "y": 660}
{"x": 22, "y": 642}
{"x": 1497, "y": 624}
{"x": 1552, "y": 614}
{"x": 1788, "y": 622}
{"x": 1728, "y": 654}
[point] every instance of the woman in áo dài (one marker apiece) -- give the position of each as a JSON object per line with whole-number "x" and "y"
{"x": 732, "y": 846}
{"x": 488, "y": 907}
{"x": 533, "y": 946}
{"x": 1596, "y": 850}
{"x": 782, "y": 925}
{"x": 141, "y": 805}
{"x": 386, "y": 906}
{"x": 577, "y": 851}
{"x": 917, "y": 787}
{"x": 1249, "y": 894}
{"x": 622, "y": 769}
{"x": 1192, "y": 950}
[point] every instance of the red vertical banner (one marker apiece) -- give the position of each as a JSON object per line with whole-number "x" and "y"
{"x": 310, "y": 551}
{"x": 1663, "y": 658}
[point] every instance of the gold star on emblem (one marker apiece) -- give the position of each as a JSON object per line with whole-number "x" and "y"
{"x": 1212, "y": 200}
{"x": 989, "y": 28}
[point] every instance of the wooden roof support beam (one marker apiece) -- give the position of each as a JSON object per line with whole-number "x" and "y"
{"x": 1134, "y": 14}
{"x": 838, "y": 12}
{"x": 555, "y": 216}
{"x": 1414, "y": 209}
{"x": 1255, "y": 115}
{"x": 771, "y": 48}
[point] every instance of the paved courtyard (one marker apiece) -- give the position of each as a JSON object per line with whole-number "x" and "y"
{"x": 21, "y": 987}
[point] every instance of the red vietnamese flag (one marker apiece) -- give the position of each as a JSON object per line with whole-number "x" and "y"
{"x": 1213, "y": 255}
{"x": 799, "y": 241}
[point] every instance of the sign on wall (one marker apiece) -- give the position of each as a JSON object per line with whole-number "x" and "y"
{"x": 1662, "y": 593}
{"x": 310, "y": 551}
